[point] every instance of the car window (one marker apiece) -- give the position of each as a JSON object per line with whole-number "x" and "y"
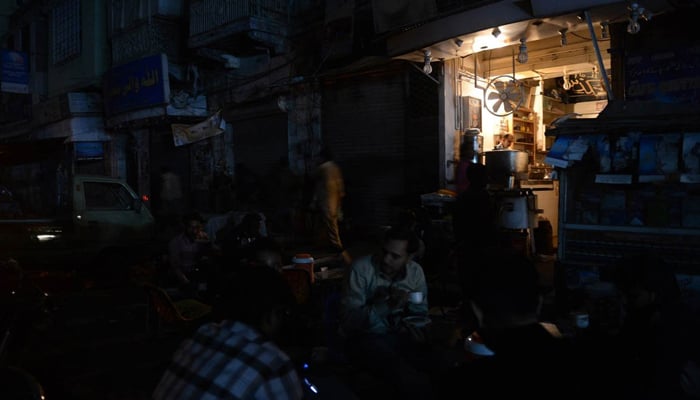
{"x": 107, "y": 196}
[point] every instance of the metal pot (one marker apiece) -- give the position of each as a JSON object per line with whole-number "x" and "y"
{"x": 506, "y": 162}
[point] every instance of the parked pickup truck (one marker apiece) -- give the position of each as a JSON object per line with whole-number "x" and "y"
{"x": 97, "y": 221}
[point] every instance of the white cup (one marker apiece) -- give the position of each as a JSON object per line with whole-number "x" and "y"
{"x": 415, "y": 297}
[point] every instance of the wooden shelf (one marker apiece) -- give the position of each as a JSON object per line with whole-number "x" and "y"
{"x": 554, "y": 112}
{"x": 524, "y": 130}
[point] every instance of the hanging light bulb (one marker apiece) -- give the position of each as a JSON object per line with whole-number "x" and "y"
{"x": 636, "y": 11}
{"x": 563, "y": 40}
{"x": 522, "y": 54}
{"x": 427, "y": 68}
{"x": 604, "y": 33}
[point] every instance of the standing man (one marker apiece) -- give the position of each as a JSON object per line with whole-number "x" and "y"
{"x": 328, "y": 198}
{"x": 185, "y": 251}
{"x": 373, "y": 305}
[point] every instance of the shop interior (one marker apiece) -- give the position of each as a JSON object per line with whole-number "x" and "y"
{"x": 559, "y": 79}
{"x": 524, "y": 77}
{"x": 525, "y": 80}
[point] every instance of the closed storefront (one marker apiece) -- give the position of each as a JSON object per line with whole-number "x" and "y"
{"x": 382, "y": 126}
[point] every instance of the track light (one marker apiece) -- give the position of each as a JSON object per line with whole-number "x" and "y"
{"x": 563, "y": 40}
{"x": 427, "y": 68}
{"x": 522, "y": 55}
{"x": 496, "y": 32}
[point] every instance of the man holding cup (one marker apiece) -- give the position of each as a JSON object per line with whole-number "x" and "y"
{"x": 383, "y": 311}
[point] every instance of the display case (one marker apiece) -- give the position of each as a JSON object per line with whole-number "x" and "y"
{"x": 629, "y": 184}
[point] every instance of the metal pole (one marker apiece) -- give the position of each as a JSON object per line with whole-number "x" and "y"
{"x": 604, "y": 73}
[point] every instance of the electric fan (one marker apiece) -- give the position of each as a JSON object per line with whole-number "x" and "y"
{"x": 503, "y": 95}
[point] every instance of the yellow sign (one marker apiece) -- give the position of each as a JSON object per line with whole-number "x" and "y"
{"x": 185, "y": 134}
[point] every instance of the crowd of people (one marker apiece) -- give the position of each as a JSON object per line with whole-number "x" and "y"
{"x": 255, "y": 347}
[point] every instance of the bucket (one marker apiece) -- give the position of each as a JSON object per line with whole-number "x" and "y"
{"x": 306, "y": 262}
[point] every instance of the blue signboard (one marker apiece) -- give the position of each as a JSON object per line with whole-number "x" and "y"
{"x": 669, "y": 75}
{"x": 14, "y": 71}
{"x": 89, "y": 150}
{"x": 139, "y": 84}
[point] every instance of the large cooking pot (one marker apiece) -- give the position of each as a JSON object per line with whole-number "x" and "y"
{"x": 508, "y": 162}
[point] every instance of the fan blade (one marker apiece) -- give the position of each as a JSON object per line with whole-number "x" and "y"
{"x": 515, "y": 96}
{"x": 494, "y": 96}
{"x": 499, "y": 85}
{"x": 518, "y": 94}
{"x": 497, "y": 105}
{"x": 507, "y": 106}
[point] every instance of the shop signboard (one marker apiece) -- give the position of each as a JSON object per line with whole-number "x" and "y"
{"x": 136, "y": 85}
{"x": 185, "y": 134}
{"x": 669, "y": 75}
{"x": 89, "y": 151}
{"x": 14, "y": 71}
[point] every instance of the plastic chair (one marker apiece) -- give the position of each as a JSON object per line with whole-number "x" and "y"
{"x": 180, "y": 314}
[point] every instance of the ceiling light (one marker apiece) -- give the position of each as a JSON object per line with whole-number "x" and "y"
{"x": 522, "y": 55}
{"x": 496, "y": 32}
{"x": 563, "y": 40}
{"x": 427, "y": 68}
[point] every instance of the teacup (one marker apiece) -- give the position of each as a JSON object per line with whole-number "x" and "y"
{"x": 580, "y": 320}
{"x": 415, "y": 297}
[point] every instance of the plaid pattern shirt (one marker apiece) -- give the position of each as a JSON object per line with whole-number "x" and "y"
{"x": 229, "y": 360}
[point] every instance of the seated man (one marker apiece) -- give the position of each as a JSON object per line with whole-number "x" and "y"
{"x": 185, "y": 251}
{"x": 657, "y": 340}
{"x": 235, "y": 238}
{"x": 529, "y": 358}
{"x": 240, "y": 356}
{"x": 372, "y": 307}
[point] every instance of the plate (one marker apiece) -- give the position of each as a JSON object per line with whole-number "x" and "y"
{"x": 417, "y": 321}
{"x": 474, "y": 345}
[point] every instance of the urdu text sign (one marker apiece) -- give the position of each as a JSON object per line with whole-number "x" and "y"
{"x": 139, "y": 84}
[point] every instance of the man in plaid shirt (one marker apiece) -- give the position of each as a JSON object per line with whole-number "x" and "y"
{"x": 238, "y": 358}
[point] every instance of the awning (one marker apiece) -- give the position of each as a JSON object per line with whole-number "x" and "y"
{"x": 75, "y": 129}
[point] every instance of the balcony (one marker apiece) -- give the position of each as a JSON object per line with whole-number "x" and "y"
{"x": 146, "y": 39}
{"x": 226, "y": 24}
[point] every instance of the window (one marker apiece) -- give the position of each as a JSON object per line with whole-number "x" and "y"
{"x": 107, "y": 196}
{"x": 65, "y": 31}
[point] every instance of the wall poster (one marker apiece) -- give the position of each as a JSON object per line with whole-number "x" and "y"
{"x": 471, "y": 113}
